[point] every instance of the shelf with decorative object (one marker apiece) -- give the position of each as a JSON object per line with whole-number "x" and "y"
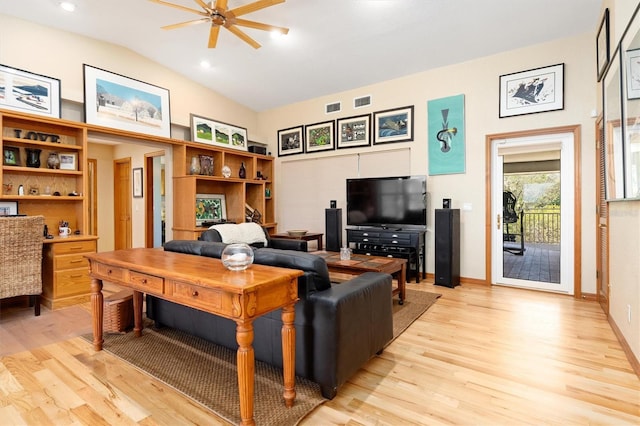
{"x": 43, "y": 170}
{"x": 255, "y": 190}
{"x": 46, "y": 157}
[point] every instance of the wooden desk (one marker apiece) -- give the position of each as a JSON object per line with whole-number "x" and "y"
{"x": 309, "y": 236}
{"x": 360, "y": 263}
{"x": 204, "y": 283}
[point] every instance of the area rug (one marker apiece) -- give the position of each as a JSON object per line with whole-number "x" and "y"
{"x": 416, "y": 303}
{"x": 207, "y": 372}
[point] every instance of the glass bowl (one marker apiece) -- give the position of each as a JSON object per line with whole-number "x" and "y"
{"x": 237, "y": 257}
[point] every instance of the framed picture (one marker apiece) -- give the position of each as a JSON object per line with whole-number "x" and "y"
{"x": 393, "y": 125}
{"x": 602, "y": 45}
{"x": 614, "y": 138}
{"x": 11, "y": 156}
{"x": 68, "y": 161}
{"x": 354, "y": 131}
{"x": 320, "y": 136}
{"x": 28, "y": 92}
{"x": 290, "y": 141}
{"x": 446, "y": 140}
{"x": 137, "y": 182}
{"x": 532, "y": 91}
{"x": 631, "y": 58}
{"x": 211, "y": 132}
{"x": 8, "y": 208}
{"x": 210, "y": 208}
{"x": 120, "y": 102}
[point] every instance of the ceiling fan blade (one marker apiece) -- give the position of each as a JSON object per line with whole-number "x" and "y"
{"x": 213, "y": 35}
{"x": 252, "y": 7}
{"x": 221, "y": 5}
{"x": 185, "y": 24}
{"x": 177, "y": 6}
{"x": 260, "y": 26}
{"x": 243, "y": 36}
{"x": 203, "y": 5}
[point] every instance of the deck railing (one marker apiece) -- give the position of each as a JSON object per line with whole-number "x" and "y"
{"x": 541, "y": 227}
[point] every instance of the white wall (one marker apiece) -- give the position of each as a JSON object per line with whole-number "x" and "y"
{"x": 624, "y": 227}
{"x": 478, "y": 81}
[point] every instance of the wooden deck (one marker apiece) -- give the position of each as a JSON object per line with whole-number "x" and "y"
{"x": 540, "y": 262}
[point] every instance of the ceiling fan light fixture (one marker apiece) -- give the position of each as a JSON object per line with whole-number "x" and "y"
{"x": 68, "y": 6}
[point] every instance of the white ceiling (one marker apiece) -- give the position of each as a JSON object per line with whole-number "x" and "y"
{"x": 333, "y": 45}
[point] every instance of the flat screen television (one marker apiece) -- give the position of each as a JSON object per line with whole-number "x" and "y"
{"x": 387, "y": 202}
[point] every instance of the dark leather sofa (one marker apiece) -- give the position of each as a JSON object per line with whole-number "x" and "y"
{"x": 277, "y": 243}
{"x": 339, "y": 327}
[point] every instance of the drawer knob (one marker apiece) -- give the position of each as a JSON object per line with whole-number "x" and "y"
{"x": 365, "y": 239}
{"x": 194, "y": 293}
{"x": 144, "y": 281}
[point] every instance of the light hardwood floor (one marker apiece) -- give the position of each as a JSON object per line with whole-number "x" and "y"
{"x": 487, "y": 356}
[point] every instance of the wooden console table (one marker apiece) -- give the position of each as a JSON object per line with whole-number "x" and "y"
{"x": 204, "y": 283}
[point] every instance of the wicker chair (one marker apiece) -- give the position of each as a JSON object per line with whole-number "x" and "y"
{"x": 21, "y": 258}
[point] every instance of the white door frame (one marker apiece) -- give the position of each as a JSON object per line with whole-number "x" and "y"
{"x": 574, "y": 228}
{"x": 500, "y": 147}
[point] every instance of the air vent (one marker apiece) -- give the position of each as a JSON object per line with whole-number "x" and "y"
{"x": 364, "y": 101}
{"x": 331, "y": 108}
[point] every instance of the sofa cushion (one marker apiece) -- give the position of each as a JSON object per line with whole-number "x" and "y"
{"x": 315, "y": 267}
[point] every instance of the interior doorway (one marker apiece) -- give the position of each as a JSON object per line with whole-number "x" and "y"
{"x": 122, "y": 203}
{"x": 155, "y": 199}
{"x": 538, "y": 153}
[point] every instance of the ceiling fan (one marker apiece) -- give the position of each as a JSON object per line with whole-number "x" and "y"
{"x": 219, "y": 15}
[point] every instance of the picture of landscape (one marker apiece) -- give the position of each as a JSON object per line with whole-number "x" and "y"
{"x": 121, "y": 102}
{"x": 27, "y": 92}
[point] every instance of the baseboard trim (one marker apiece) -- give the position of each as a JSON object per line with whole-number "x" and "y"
{"x": 635, "y": 363}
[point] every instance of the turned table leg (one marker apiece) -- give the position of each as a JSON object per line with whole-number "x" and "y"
{"x": 246, "y": 370}
{"x": 97, "y": 311}
{"x": 288, "y": 354}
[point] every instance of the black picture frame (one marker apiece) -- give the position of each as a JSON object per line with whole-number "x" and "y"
{"x": 291, "y": 141}
{"x": 124, "y": 103}
{"x": 11, "y": 156}
{"x": 393, "y": 125}
{"x": 353, "y": 132}
{"x": 25, "y": 91}
{"x": 602, "y": 45}
{"x": 532, "y": 91}
{"x": 138, "y": 180}
{"x": 320, "y": 136}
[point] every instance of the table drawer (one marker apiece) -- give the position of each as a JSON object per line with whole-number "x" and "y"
{"x": 75, "y": 247}
{"x": 146, "y": 282}
{"x": 70, "y": 261}
{"x": 194, "y": 295}
{"x": 109, "y": 272}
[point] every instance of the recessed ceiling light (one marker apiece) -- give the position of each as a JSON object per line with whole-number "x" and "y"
{"x": 205, "y": 64}
{"x": 68, "y": 6}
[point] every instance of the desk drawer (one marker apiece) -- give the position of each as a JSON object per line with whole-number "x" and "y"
{"x": 194, "y": 295}
{"x": 70, "y": 261}
{"x": 146, "y": 282}
{"x": 75, "y": 247}
{"x": 72, "y": 282}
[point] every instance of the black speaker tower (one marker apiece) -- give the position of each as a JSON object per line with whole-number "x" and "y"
{"x": 333, "y": 229}
{"x": 447, "y": 247}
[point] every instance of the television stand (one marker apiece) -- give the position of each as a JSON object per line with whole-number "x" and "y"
{"x": 406, "y": 244}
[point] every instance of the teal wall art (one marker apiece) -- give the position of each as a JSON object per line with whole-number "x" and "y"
{"x": 446, "y": 135}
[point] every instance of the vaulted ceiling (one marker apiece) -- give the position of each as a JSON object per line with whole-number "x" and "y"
{"x": 332, "y": 45}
